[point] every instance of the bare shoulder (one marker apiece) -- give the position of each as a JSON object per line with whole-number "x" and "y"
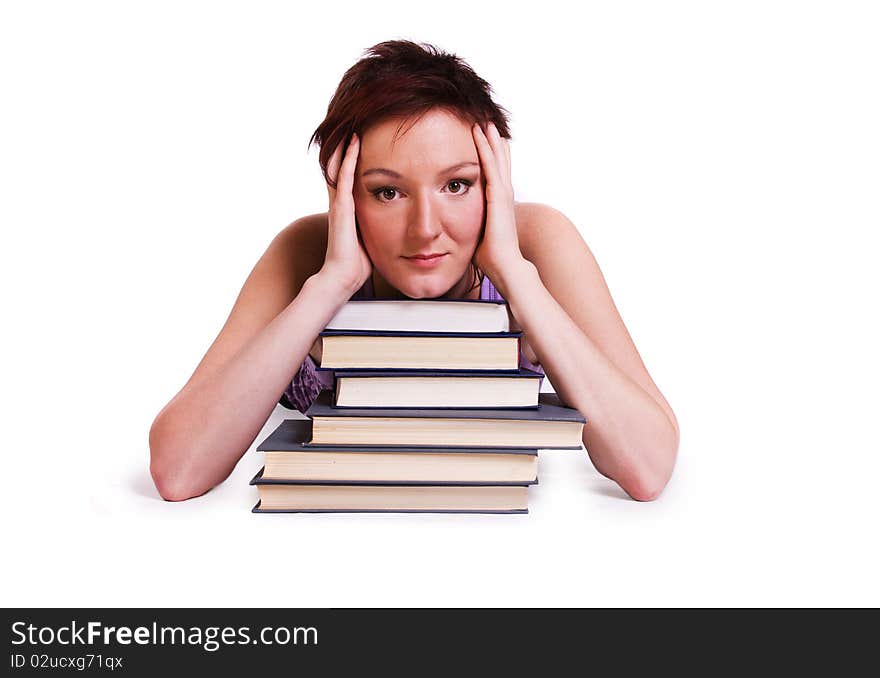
{"x": 303, "y": 244}
{"x": 567, "y": 267}
{"x": 556, "y": 246}
{"x": 295, "y": 254}
{"x": 537, "y": 225}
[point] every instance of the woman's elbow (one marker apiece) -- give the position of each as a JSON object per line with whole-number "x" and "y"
{"x": 171, "y": 486}
{"x": 645, "y": 489}
{"x": 649, "y": 482}
{"x": 169, "y": 472}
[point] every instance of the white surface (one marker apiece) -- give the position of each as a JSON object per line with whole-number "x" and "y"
{"x": 720, "y": 161}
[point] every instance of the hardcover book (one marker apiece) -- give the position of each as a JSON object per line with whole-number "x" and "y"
{"x": 550, "y": 425}
{"x": 348, "y": 349}
{"x": 437, "y": 315}
{"x": 287, "y": 457}
{"x": 294, "y": 497}
{"x": 433, "y": 389}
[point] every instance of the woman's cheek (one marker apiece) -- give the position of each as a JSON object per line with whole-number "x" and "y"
{"x": 471, "y": 224}
{"x": 477, "y": 214}
{"x": 379, "y": 239}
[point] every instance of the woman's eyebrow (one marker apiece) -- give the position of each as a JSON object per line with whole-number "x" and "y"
{"x": 396, "y": 175}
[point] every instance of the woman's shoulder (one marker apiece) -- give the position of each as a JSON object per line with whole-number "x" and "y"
{"x": 304, "y": 242}
{"x": 307, "y": 231}
{"x": 541, "y": 228}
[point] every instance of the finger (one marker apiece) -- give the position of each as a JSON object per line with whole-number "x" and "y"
{"x": 507, "y": 156}
{"x": 333, "y": 169}
{"x": 487, "y": 156}
{"x": 345, "y": 182}
{"x": 499, "y": 147}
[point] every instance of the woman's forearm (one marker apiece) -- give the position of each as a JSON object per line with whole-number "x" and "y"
{"x": 201, "y": 434}
{"x": 628, "y": 436}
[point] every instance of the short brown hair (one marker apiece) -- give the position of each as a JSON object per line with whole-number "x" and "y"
{"x": 401, "y": 78}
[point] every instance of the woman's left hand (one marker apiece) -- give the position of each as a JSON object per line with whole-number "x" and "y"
{"x": 499, "y": 247}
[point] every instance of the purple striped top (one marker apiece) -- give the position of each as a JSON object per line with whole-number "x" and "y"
{"x": 308, "y": 381}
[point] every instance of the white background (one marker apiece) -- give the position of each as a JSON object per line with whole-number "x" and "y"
{"x": 721, "y": 160}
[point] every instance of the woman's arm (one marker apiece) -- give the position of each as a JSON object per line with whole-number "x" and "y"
{"x": 558, "y": 297}
{"x": 198, "y": 437}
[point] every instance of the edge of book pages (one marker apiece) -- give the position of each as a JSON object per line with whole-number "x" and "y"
{"x": 257, "y": 509}
{"x": 549, "y": 406}
{"x": 357, "y": 313}
{"x": 259, "y": 480}
{"x": 302, "y": 432}
{"x": 423, "y": 335}
{"x": 423, "y": 301}
{"x": 425, "y": 371}
{"x": 380, "y": 373}
{"x": 379, "y": 408}
{"x": 417, "y": 333}
{"x": 369, "y": 372}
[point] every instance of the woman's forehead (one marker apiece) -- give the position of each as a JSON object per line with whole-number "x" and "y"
{"x": 438, "y": 138}
{"x": 435, "y": 142}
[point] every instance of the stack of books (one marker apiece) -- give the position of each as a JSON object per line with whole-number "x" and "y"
{"x": 430, "y": 412}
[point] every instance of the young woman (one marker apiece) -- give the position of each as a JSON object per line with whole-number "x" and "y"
{"x": 421, "y": 205}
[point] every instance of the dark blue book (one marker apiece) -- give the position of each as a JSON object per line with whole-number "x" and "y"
{"x": 436, "y": 388}
{"x": 289, "y": 459}
{"x": 292, "y": 497}
{"x": 440, "y": 315}
{"x": 410, "y": 350}
{"x": 550, "y": 425}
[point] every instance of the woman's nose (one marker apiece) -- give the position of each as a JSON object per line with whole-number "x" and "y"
{"x": 424, "y": 221}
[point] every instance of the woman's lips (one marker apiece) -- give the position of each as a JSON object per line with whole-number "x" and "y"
{"x": 426, "y": 261}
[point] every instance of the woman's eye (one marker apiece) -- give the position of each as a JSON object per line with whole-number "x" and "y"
{"x": 385, "y": 194}
{"x": 389, "y": 193}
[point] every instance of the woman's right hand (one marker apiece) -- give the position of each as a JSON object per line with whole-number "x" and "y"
{"x": 346, "y": 261}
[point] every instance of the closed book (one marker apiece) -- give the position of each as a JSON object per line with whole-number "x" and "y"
{"x": 294, "y": 497}
{"x": 287, "y": 457}
{"x": 430, "y": 389}
{"x": 426, "y": 315}
{"x": 348, "y": 349}
{"x": 550, "y": 425}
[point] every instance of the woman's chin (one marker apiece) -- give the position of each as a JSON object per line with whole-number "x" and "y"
{"x": 425, "y": 293}
{"x": 425, "y": 287}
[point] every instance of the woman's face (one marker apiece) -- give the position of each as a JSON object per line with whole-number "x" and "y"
{"x": 418, "y": 195}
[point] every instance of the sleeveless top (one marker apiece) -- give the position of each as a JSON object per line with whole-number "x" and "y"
{"x": 309, "y": 381}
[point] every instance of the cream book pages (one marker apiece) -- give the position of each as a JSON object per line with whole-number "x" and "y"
{"x": 436, "y": 315}
{"x": 339, "y": 497}
{"x": 386, "y": 349}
